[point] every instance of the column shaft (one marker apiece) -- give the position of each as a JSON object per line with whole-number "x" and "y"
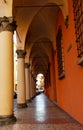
{"x": 21, "y": 86}
{"x": 27, "y": 75}
{"x": 31, "y": 96}
{"x": 6, "y": 72}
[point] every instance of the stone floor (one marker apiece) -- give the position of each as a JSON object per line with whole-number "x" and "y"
{"x": 42, "y": 114}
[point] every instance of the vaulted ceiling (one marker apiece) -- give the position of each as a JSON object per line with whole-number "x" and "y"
{"x": 36, "y": 20}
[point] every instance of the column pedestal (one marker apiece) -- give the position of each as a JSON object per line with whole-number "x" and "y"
{"x": 21, "y": 105}
{"x": 5, "y": 120}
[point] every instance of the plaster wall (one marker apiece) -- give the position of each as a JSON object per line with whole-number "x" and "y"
{"x": 70, "y": 88}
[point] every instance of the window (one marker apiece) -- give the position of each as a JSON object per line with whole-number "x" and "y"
{"x": 60, "y": 56}
{"x": 78, "y": 17}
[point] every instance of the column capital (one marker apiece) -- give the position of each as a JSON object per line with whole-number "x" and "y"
{"x": 21, "y": 53}
{"x": 7, "y": 24}
{"x": 27, "y": 65}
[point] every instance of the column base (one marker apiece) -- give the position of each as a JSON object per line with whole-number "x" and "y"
{"x": 28, "y": 100}
{"x": 21, "y": 105}
{"x": 33, "y": 97}
{"x": 5, "y": 120}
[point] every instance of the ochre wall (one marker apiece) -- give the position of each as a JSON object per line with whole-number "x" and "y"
{"x": 70, "y": 89}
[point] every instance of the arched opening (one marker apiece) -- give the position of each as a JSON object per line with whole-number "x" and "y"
{"x": 40, "y": 83}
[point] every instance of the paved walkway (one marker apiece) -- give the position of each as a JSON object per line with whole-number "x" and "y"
{"x": 42, "y": 114}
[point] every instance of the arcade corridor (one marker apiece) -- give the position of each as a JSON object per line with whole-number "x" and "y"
{"x": 42, "y": 114}
{"x": 48, "y": 40}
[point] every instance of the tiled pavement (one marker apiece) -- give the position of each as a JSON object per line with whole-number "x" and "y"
{"x": 41, "y": 114}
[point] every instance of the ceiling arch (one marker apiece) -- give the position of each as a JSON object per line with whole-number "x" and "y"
{"x": 41, "y": 31}
{"x": 39, "y": 55}
{"x": 36, "y": 29}
{"x": 25, "y": 11}
{"x": 43, "y": 25}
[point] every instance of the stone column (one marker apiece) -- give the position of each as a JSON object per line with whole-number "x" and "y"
{"x": 21, "y": 85}
{"x": 7, "y": 27}
{"x": 27, "y": 75}
{"x": 31, "y": 96}
{"x": 34, "y": 87}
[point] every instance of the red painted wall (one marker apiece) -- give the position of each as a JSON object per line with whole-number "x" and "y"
{"x": 70, "y": 89}
{"x": 51, "y": 88}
